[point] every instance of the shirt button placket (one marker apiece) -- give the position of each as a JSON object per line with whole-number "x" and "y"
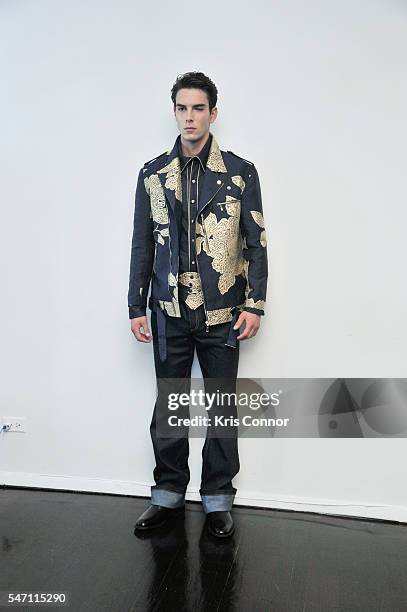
{"x": 193, "y": 201}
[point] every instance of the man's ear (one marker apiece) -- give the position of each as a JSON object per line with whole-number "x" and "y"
{"x": 214, "y": 114}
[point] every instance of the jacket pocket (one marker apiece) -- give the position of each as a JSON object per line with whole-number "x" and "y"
{"x": 231, "y": 206}
{"x": 208, "y": 250}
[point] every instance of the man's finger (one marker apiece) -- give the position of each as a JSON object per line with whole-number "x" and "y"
{"x": 249, "y": 332}
{"x": 239, "y": 321}
{"x": 245, "y": 334}
{"x": 141, "y": 337}
{"x": 253, "y": 332}
{"x": 146, "y": 330}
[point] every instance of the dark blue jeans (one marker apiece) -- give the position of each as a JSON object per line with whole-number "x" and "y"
{"x": 220, "y": 458}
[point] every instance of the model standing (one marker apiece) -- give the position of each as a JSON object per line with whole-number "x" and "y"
{"x": 199, "y": 236}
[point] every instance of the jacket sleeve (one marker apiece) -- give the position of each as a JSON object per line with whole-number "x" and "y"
{"x": 142, "y": 251}
{"x": 255, "y": 244}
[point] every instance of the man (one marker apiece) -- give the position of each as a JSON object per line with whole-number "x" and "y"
{"x": 199, "y": 234}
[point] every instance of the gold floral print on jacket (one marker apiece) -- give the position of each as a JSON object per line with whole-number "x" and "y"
{"x": 215, "y": 160}
{"x": 232, "y": 206}
{"x": 258, "y": 217}
{"x": 157, "y": 199}
{"x": 249, "y": 302}
{"x": 221, "y": 240}
{"x": 161, "y": 233}
{"x": 173, "y": 177}
{"x": 172, "y": 308}
{"x": 220, "y": 315}
{"x": 193, "y": 281}
{"x": 238, "y": 180}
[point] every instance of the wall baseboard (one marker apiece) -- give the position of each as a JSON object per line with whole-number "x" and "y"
{"x": 243, "y": 497}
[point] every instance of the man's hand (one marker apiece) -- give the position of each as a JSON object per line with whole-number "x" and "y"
{"x": 252, "y": 324}
{"x": 136, "y": 324}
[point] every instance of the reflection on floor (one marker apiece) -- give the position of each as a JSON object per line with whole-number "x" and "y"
{"x": 84, "y": 544}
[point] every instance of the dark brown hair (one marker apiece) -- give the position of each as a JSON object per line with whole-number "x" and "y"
{"x": 196, "y": 80}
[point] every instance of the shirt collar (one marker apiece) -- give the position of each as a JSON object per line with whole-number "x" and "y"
{"x": 202, "y": 156}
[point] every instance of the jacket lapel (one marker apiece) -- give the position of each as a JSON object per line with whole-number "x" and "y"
{"x": 215, "y": 176}
{"x": 170, "y": 176}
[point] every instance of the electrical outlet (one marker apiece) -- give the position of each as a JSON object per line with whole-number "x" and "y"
{"x": 13, "y": 424}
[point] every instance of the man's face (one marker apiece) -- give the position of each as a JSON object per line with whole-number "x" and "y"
{"x": 192, "y": 114}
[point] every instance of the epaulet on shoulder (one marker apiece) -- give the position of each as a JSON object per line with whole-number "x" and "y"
{"x": 154, "y": 158}
{"x": 242, "y": 158}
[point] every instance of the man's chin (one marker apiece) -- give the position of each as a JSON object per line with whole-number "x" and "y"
{"x": 193, "y": 136}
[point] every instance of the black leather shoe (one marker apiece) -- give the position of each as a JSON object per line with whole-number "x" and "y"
{"x": 155, "y": 516}
{"x": 220, "y": 524}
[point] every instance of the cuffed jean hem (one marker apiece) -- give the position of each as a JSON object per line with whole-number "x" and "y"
{"x": 216, "y": 503}
{"x": 167, "y": 498}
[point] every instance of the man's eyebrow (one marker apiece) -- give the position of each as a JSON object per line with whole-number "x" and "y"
{"x": 194, "y": 105}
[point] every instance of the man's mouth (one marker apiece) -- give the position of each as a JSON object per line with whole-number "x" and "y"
{"x": 190, "y": 129}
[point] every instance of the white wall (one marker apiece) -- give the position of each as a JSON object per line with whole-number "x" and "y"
{"x": 315, "y": 94}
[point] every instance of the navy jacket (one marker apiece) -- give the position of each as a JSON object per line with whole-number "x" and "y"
{"x": 230, "y": 237}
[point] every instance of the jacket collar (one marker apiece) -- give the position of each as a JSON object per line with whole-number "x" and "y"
{"x": 170, "y": 175}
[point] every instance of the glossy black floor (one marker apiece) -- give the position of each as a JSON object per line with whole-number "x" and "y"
{"x": 84, "y": 544}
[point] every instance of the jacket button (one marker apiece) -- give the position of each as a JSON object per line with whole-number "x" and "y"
{"x": 218, "y": 182}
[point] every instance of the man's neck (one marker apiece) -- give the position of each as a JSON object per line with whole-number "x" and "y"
{"x": 190, "y": 149}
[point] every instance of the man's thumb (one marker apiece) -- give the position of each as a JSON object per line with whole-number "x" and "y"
{"x": 145, "y": 327}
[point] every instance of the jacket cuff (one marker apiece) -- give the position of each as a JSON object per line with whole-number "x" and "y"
{"x": 254, "y": 310}
{"x": 136, "y": 311}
